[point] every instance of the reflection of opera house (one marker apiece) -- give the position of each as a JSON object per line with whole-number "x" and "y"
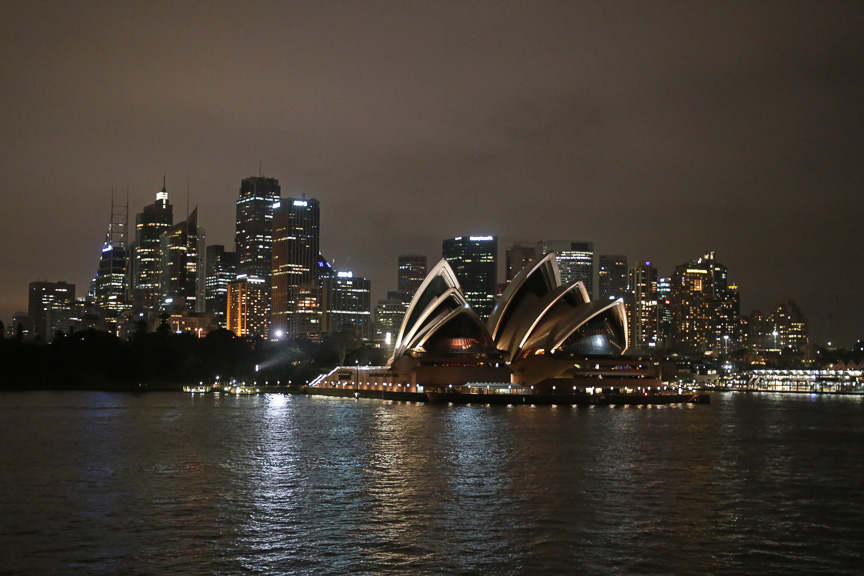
{"x": 542, "y": 338}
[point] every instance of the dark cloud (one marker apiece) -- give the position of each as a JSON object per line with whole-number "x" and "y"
{"x": 659, "y": 130}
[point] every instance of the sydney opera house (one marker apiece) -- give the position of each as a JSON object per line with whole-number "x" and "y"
{"x": 543, "y": 337}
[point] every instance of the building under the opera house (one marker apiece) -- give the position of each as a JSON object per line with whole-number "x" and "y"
{"x": 542, "y": 336}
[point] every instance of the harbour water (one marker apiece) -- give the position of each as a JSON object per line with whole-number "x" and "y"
{"x": 170, "y": 483}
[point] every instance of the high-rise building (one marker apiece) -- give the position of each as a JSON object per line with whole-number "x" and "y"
{"x": 247, "y": 299}
{"x": 345, "y": 302}
{"x": 474, "y": 260}
{"x": 411, "y": 273}
{"x": 253, "y": 237}
{"x": 182, "y": 273}
{"x": 664, "y": 312}
{"x": 643, "y": 319}
{"x": 788, "y": 326}
{"x": 110, "y": 291}
{"x": 296, "y": 264}
{"x": 221, "y": 268}
{"x": 389, "y": 314}
{"x": 146, "y": 270}
{"x": 51, "y": 307}
{"x": 612, "y": 276}
{"x": 699, "y": 296}
{"x": 517, "y": 256}
{"x": 575, "y": 261}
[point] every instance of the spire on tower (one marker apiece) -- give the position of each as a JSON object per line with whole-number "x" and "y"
{"x": 163, "y": 194}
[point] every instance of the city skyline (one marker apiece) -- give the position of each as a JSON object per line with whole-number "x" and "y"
{"x": 658, "y": 132}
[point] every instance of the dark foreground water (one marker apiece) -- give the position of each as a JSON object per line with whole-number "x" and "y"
{"x": 167, "y": 483}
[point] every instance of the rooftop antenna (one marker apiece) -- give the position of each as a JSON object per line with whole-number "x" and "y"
{"x": 187, "y": 197}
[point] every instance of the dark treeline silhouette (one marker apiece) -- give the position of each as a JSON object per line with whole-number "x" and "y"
{"x": 93, "y": 359}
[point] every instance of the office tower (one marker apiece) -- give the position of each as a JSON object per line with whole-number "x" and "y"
{"x": 474, "y": 260}
{"x": 389, "y": 314}
{"x": 247, "y": 302}
{"x": 612, "y": 276}
{"x": 146, "y": 256}
{"x": 109, "y": 286}
{"x": 345, "y": 303}
{"x": 575, "y": 261}
{"x": 182, "y": 276}
{"x": 221, "y": 268}
{"x": 412, "y": 272}
{"x": 643, "y": 319}
{"x": 50, "y": 306}
{"x": 788, "y": 326}
{"x": 253, "y": 237}
{"x": 664, "y": 312}
{"x": 727, "y": 328}
{"x": 295, "y": 265}
{"x": 517, "y": 256}
{"x": 698, "y": 289}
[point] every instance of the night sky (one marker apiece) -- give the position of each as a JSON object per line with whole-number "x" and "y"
{"x": 659, "y": 130}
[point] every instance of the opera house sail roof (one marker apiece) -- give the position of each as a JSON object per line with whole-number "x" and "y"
{"x": 536, "y": 315}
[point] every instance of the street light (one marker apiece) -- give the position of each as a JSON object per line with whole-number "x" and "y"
{"x": 726, "y": 344}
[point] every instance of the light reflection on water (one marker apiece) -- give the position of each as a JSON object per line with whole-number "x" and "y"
{"x": 159, "y": 482}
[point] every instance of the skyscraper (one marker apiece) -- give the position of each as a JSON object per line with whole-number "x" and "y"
{"x": 221, "y": 268}
{"x": 698, "y": 291}
{"x": 345, "y": 301}
{"x": 146, "y": 256}
{"x": 182, "y": 272}
{"x": 474, "y": 259}
{"x": 411, "y": 273}
{"x": 253, "y": 237}
{"x": 643, "y": 319}
{"x": 50, "y": 306}
{"x": 296, "y": 223}
{"x": 110, "y": 291}
{"x": 612, "y": 276}
{"x": 575, "y": 261}
{"x": 247, "y": 301}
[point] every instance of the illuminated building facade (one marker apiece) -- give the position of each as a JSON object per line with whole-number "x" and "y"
{"x": 698, "y": 299}
{"x": 346, "y": 303}
{"x": 474, "y": 260}
{"x": 296, "y": 265}
{"x": 411, "y": 273}
{"x": 110, "y": 291}
{"x": 389, "y": 314}
{"x": 51, "y": 308}
{"x": 788, "y": 326}
{"x": 575, "y": 261}
{"x": 611, "y": 276}
{"x": 146, "y": 270}
{"x": 182, "y": 272}
{"x": 643, "y": 320}
{"x": 221, "y": 266}
{"x": 247, "y": 299}
{"x": 253, "y": 237}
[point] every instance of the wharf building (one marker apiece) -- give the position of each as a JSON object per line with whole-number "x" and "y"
{"x": 296, "y": 270}
{"x": 146, "y": 256}
{"x": 575, "y": 261}
{"x": 474, "y": 260}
